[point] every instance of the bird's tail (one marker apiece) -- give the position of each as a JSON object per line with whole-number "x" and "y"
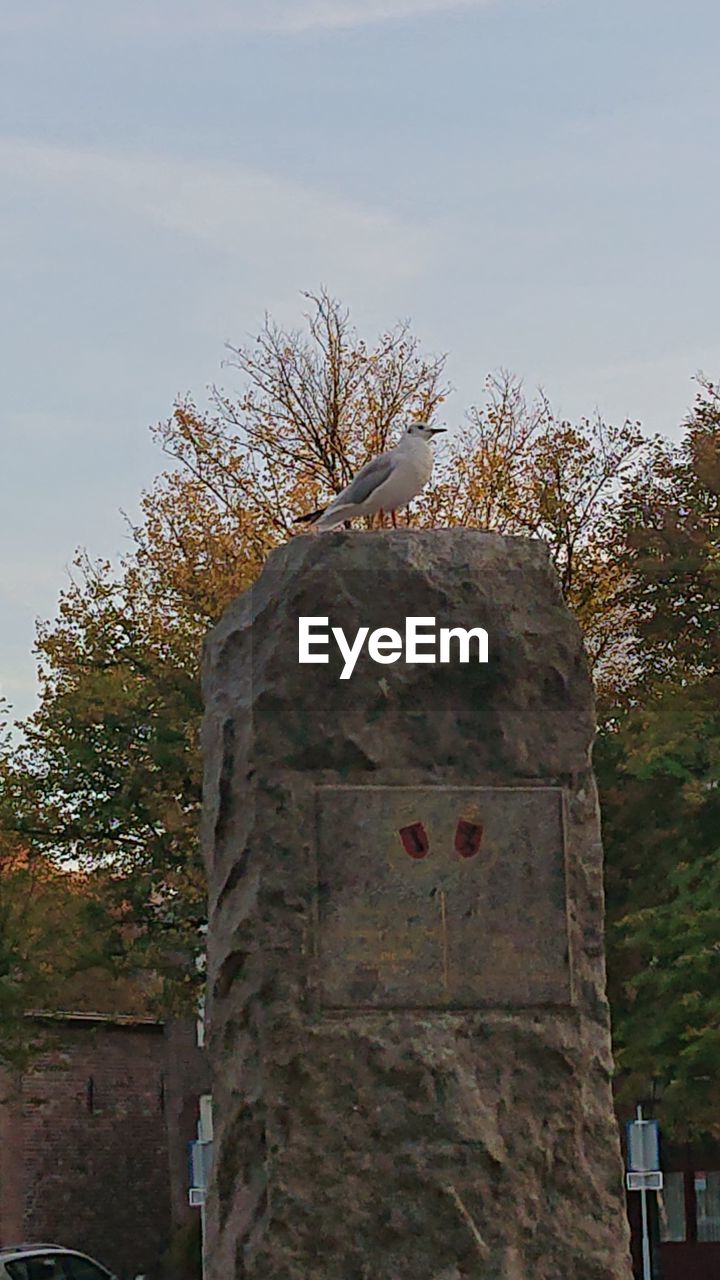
{"x": 310, "y": 516}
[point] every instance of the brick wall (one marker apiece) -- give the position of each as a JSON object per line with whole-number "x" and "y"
{"x": 12, "y": 1206}
{"x": 86, "y": 1160}
{"x": 187, "y": 1078}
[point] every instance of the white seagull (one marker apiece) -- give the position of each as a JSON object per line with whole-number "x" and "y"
{"x": 385, "y": 483}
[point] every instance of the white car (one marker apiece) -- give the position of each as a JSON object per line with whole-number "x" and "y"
{"x": 49, "y": 1262}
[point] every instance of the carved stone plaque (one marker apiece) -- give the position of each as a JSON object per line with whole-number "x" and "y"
{"x": 442, "y": 897}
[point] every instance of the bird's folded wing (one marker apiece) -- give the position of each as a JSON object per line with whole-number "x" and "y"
{"x": 368, "y": 479}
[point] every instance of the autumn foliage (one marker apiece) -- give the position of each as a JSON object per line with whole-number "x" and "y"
{"x": 107, "y": 776}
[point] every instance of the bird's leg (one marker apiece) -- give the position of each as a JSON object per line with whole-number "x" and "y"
{"x": 381, "y": 518}
{"x": 394, "y": 521}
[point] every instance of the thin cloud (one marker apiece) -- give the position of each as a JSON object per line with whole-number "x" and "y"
{"x": 277, "y": 17}
{"x": 230, "y": 209}
{"x": 289, "y": 15}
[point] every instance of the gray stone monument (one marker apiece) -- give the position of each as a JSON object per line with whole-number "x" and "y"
{"x": 408, "y": 1026}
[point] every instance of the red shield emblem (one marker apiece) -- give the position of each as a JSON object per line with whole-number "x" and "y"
{"x": 467, "y": 838}
{"x": 415, "y": 841}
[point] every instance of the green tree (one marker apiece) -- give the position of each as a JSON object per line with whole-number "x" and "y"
{"x": 659, "y": 766}
{"x": 107, "y": 776}
{"x": 108, "y": 773}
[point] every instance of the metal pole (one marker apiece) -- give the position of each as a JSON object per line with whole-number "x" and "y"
{"x": 202, "y": 1239}
{"x": 647, "y": 1265}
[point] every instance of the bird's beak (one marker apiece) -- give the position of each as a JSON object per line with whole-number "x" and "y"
{"x": 437, "y": 430}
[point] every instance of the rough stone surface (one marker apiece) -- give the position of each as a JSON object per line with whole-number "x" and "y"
{"x": 411, "y": 1054}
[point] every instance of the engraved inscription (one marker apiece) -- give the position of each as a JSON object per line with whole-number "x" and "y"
{"x": 474, "y": 917}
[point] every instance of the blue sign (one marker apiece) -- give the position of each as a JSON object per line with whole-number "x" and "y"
{"x": 643, "y": 1146}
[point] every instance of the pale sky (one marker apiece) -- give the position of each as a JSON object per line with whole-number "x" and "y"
{"x": 533, "y": 183}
